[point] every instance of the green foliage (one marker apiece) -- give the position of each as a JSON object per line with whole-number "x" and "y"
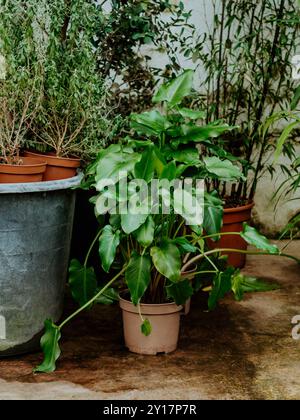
{"x": 242, "y": 284}
{"x": 146, "y": 327}
{"x": 50, "y": 347}
{"x": 137, "y": 276}
{"x": 180, "y": 291}
{"x": 108, "y": 244}
{"x": 253, "y": 237}
{"x": 167, "y": 261}
{"x": 82, "y": 282}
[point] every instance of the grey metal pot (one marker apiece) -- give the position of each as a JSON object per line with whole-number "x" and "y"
{"x": 36, "y": 222}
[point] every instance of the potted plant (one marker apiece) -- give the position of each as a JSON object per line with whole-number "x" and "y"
{"x": 244, "y": 85}
{"x": 158, "y": 252}
{"x": 20, "y": 94}
{"x": 72, "y": 123}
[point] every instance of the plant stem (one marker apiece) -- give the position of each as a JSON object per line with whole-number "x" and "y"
{"x": 87, "y": 304}
{"x": 239, "y": 251}
{"x": 91, "y": 247}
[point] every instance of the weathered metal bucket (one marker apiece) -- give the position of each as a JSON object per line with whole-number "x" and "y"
{"x": 36, "y": 222}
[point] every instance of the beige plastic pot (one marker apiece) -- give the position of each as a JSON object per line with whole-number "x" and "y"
{"x": 165, "y": 322}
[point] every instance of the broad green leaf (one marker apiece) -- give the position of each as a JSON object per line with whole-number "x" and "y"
{"x": 188, "y": 155}
{"x": 175, "y": 90}
{"x": 184, "y": 245}
{"x": 146, "y": 327}
{"x": 197, "y": 134}
{"x": 180, "y": 291}
{"x": 242, "y": 283}
{"x": 223, "y": 169}
{"x": 192, "y": 114}
{"x": 112, "y": 164}
{"x": 144, "y": 169}
{"x": 108, "y": 297}
{"x": 145, "y": 234}
{"x": 253, "y": 237}
{"x": 131, "y": 222}
{"x": 169, "y": 171}
{"x": 108, "y": 244}
{"x": 167, "y": 261}
{"x": 159, "y": 161}
{"x": 221, "y": 286}
{"x": 213, "y": 213}
{"x": 138, "y": 276}
{"x": 50, "y": 347}
{"x": 152, "y": 123}
{"x": 82, "y": 281}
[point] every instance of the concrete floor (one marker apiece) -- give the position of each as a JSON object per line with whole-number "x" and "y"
{"x": 240, "y": 351}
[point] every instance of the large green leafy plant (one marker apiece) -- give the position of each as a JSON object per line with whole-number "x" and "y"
{"x": 156, "y": 252}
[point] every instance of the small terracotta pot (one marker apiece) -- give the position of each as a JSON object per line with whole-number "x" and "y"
{"x": 57, "y": 167}
{"x": 233, "y": 220}
{"x": 165, "y": 322}
{"x": 29, "y": 170}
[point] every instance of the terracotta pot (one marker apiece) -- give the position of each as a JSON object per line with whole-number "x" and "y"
{"x": 165, "y": 322}
{"x": 57, "y": 168}
{"x": 30, "y": 170}
{"x": 233, "y": 220}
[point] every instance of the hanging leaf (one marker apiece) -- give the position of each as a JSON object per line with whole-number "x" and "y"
{"x": 131, "y": 222}
{"x": 242, "y": 284}
{"x": 180, "y": 291}
{"x": 253, "y": 237}
{"x": 146, "y": 327}
{"x": 145, "y": 234}
{"x": 138, "y": 276}
{"x": 112, "y": 164}
{"x": 50, "y": 347}
{"x": 213, "y": 214}
{"x": 175, "y": 90}
{"x": 108, "y": 297}
{"x": 167, "y": 261}
{"x": 108, "y": 244}
{"x": 184, "y": 245}
{"x": 82, "y": 281}
{"x": 144, "y": 169}
{"x": 221, "y": 286}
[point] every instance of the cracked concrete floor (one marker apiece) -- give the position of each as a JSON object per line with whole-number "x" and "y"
{"x": 243, "y": 350}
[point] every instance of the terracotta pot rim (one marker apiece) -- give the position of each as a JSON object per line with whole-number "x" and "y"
{"x": 149, "y": 308}
{"x": 52, "y": 157}
{"x": 240, "y": 208}
{"x": 33, "y": 162}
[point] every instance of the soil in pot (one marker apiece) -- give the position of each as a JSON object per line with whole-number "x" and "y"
{"x": 233, "y": 220}
{"x": 57, "y": 167}
{"x": 165, "y": 322}
{"x": 27, "y": 170}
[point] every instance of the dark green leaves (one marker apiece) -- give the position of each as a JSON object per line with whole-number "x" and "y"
{"x": 242, "y": 284}
{"x": 50, "y": 347}
{"x": 213, "y": 213}
{"x": 82, "y": 281}
{"x": 221, "y": 286}
{"x": 151, "y": 123}
{"x": 253, "y": 237}
{"x": 108, "y": 244}
{"x": 180, "y": 291}
{"x": 167, "y": 261}
{"x": 144, "y": 169}
{"x": 174, "y": 91}
{"x": 138, "y": 276}
{"x": 146, "y": 327}
{"x": 145, "y": 234}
